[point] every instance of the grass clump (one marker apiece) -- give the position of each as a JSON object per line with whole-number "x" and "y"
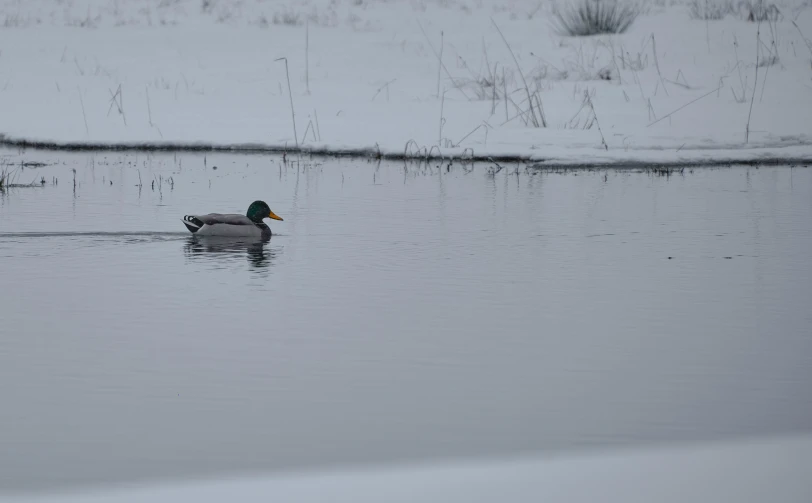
{"x": 759, "y": 11}
{"x": 8, "y": 180}
{"x": 287, "y": 18}
{"x": 596, "y": 17}
{"x": 710, "y": 10}
{"x": 750, "y": 10}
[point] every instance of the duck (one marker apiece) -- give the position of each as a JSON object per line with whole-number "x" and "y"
{"x": 233, "y": 224}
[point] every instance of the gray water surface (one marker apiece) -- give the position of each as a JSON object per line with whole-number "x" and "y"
{"x": 398, "y": 313}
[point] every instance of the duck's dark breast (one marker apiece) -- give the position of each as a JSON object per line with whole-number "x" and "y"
{"x": 266, "y": 231}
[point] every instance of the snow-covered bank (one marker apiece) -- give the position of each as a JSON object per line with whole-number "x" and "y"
{"x": 793, "y": 155}
{"x": 774, "y": 470}
{"x": 364, "y": 75}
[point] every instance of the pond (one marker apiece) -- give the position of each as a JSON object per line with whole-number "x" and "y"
{"x": 399, "y": 312}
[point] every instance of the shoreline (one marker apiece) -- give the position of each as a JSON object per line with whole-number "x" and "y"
{"x": 671, "y": 91}
{"x": 756, "y": 156}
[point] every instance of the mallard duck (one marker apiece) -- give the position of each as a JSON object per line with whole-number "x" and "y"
{"x": 233, "y": 224}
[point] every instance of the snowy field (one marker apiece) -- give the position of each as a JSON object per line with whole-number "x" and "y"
{"x": 768, "y": 470}
{"x": 453, "y": 77}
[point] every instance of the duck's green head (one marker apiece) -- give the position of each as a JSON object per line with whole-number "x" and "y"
{"x": 259, "y": 210}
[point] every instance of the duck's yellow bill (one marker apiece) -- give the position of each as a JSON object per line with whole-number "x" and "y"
{"x": 274, "y": 216}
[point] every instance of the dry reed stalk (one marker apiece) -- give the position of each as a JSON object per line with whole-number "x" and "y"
{"x": 521, "y": 74}
{"x": 453, "y": 80}
{"x": 683, "y": 106}
{"x": 307, "y": 56}
{"x": 657, "y": 62}
{"x": 84, "y": 115}
{"x": 440, "y": 63}
{"x": 597, "y": 122}
{"x": 755, "y": 85}
{"x": 290, "y": 95}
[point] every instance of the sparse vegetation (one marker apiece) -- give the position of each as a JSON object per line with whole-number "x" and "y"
{"x": 288, "y": 18}
{"x": 505, "y": 81}
{"x": 537, "y": 121}
{"x": 596, "y": 17}
{"x": 290, "y": 95}
{"x": 750, "y": 10}
{"x": 757, "y": 11}
{"x": 710, "y": 10}
{"x": 8, "y": 179}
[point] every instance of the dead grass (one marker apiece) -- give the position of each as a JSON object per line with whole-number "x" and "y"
{"x": 749, "y": 10}
{"x": 758, "y": 11}
{"x": 288, "y": 18}
{"x": 9, "y": 178}
{"x": 710, "y": 10}
{"x": 595, "y": 17}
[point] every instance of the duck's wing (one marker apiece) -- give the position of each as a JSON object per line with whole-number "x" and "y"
{"x": 228, "y": 219}
{"x": 235, "y": 221}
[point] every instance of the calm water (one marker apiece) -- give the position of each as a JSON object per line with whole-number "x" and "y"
{"x": 396, "y": 314}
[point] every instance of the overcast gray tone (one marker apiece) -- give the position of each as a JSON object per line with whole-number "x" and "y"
{"x": 397, "y": 313}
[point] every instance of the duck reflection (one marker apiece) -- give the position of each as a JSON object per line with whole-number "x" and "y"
{"x": 224, "y": 250}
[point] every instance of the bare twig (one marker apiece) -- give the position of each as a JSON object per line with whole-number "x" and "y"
{"x": 657, "y": 62}
{"x": 453, "y": 81}
{"x": 304, "y": 136}
{"x": 442, "y": 119}
{"x": 521, "y": 74}
{"x": 440, "y": 63}
{"x": 594, "y": 114}
{"x": 755, "y": 85}
{"x": 149, "y": 114}
{"x": 683, "y": 106}
{"x": 806, "y": 40}
{"x": 614, "y": 60}
{"x": 81, "y": 102}
{"x": 493, "y": 170}
{"x": 493, "y": 80}
{"x": 290, "y": 95}
{"x": 307, "y": 56}
{"x": 504, "y": 91}
{"x": 540, "y": 108}
{"x": 409, "y": 143}
{"x": 384, "y": 86}
{"x": 117, "y": 99}
{"x": 472, "y": 132}
{"x": 431, "y": 150}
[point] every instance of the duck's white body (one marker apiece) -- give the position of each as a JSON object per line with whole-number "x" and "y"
{"x": 230, "y": 225}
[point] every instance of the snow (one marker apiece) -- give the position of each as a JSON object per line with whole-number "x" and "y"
{"x": 774, "y": 470}
{"x": 363, "y": 76}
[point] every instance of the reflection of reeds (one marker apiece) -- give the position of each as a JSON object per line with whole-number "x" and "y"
{"x": 8, "y": 180}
